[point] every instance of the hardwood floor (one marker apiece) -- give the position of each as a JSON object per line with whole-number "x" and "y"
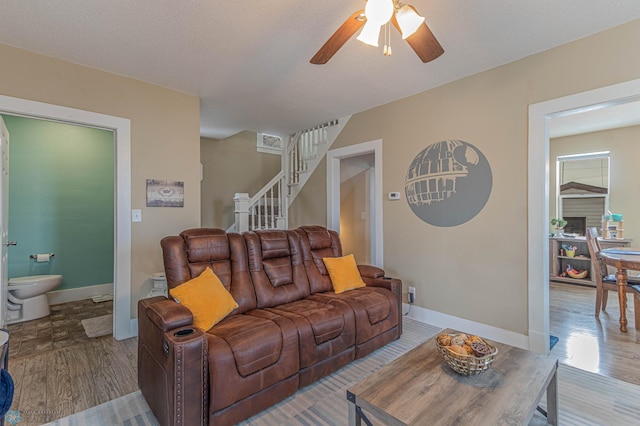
{"x": 590, "y": 343}
{"x": 58, "y": 370}
{"x": 64, "y": 381}
{"x": 59, "y": 382}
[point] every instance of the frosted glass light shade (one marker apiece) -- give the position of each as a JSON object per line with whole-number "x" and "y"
{"x": 370, "y": 34}
{"x": 378, "y": 11}
{"x": 408, "y": 20}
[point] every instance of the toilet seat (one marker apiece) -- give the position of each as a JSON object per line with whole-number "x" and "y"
{"x": 33, "y": 279}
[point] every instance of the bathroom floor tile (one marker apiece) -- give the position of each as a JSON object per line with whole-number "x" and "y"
{"x": 44, "y": 345}
{"x": 61, "y": 329}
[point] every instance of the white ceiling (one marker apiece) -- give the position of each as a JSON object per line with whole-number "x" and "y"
{"x": 248, "y": 61}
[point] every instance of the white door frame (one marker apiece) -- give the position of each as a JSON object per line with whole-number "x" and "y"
{"x": 122, "y": 322}
{"x": 4, "y": 235}
{"x": 334, "y": 157}
{"x": 540, "y": 115}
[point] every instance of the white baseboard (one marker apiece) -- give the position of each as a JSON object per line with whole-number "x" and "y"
{"x": 73, "y": 294}
{"x": 449, "y": 321}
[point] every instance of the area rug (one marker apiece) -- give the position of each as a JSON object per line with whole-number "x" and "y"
{"x": 585, "y": 399}
{"x": 98, "y": 326}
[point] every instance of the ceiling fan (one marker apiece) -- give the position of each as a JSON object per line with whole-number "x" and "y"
{"x": 371, "y": 19}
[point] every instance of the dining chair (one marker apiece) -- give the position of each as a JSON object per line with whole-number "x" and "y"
{"x": 604, "y": 280}
{"x": 636, "y": 304}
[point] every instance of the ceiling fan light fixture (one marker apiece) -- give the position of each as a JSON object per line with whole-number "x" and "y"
{"x": 370, "y": 34}
{"x": 408, "y": 20}
{"x": 379, "y": 12}
{"x": 369, "y": 21}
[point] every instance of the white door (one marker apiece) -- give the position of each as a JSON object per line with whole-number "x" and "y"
{"x": 4, "y": 219}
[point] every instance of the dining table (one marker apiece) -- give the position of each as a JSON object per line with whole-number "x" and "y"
{"x": 622, "y": 259}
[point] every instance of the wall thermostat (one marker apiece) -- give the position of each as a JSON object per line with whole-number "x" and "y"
{"x": 394, "y": 195}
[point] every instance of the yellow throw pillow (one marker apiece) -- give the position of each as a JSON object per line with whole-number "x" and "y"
{"x": 344, "y": 273}
{"x": 207, "y": 299}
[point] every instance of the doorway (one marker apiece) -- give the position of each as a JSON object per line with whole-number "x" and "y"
{"x": 356, "y": 188}
{"x": 61, "y": 204}
{"x": 364, "y": 162}
{"x": 540, "y": 116}
{"x": 123, "y": 326}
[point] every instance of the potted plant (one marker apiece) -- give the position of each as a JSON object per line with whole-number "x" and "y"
{"x": 559, "y": 223}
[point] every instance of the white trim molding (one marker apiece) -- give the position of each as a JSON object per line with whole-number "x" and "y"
{"x": 122, "y": 235}
{"x": 540, "y": 115}
{"x": 80, "y": 293}
{"x": 334, "y": 157}
{"x": 439, "y": 319}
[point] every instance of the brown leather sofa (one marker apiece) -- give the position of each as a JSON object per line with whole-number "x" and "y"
{"x": 289, "y": 329}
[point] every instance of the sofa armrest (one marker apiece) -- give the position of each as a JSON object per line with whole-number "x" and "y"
{"x": 370, "y": 271}
{"x": 393, "y": 284}
{"x": 173, "y": 363}
{"x": 168, "y": 314}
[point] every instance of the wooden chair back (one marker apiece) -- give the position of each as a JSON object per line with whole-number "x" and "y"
{"x": 600, "y": 270}
{"x": 599, "y": 267}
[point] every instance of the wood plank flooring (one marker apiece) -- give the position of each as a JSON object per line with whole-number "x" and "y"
{"x": 64, "y": 381}
{"x": 590, "y": 343}
{"x": 60, "y": 382}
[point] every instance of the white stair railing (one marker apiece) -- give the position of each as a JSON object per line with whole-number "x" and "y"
{"x": 303, "y": 148}
{"x": 304, "y": 152}
{"x": 268, "y": 209}
{"x": 265, "y": 210}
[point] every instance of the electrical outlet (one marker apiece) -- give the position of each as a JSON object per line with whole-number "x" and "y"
{"x": 411, "y": 295}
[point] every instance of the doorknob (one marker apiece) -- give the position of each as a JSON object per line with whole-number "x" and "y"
{"x": 11, "y": 243}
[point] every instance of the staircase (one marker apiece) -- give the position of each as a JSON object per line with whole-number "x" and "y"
{"x": 268, "y": 208}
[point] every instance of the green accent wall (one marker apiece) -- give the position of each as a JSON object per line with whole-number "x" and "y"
{"x": 61, "y": 200}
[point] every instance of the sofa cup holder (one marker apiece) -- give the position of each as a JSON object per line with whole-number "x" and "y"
{"x": 184, "y": 332}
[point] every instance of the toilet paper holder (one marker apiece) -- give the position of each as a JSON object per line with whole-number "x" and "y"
{"x": 35, "y": 256}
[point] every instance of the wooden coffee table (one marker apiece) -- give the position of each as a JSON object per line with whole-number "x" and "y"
{"x": 420, "y": 388}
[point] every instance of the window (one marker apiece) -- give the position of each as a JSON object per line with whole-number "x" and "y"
{"x": 269, "y": 144}
{"x": 583, "y": 190}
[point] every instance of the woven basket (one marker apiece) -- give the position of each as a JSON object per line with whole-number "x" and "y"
{"x": 468, "y": 365}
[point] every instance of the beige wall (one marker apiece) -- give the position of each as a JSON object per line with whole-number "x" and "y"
{"x": 165, "y": 141}
{"x": 624, "y": 147}
{"x": 353, "y": 227}
{"x": 477, "y": 270}
{"x": 310, "y": 206}
{"x": 232, "y": 165}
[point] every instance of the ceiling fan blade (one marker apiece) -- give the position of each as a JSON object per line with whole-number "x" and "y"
{"x": 423, "y": 42}
{"x": 339, "y": 38}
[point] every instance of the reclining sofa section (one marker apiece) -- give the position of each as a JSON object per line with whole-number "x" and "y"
{"x": 289, "y": 330}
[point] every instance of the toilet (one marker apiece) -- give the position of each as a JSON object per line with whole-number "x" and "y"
{"x": 28, "y": 297}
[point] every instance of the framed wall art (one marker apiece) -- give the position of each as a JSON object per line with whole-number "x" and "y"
{"x": 164, "y": 193}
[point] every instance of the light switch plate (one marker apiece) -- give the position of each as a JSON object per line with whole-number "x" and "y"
{"x": 394, "y": 195}
{"x": 136, "y": 215}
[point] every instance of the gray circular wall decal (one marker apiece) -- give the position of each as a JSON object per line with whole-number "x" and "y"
{"x": 448, "y": 183}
